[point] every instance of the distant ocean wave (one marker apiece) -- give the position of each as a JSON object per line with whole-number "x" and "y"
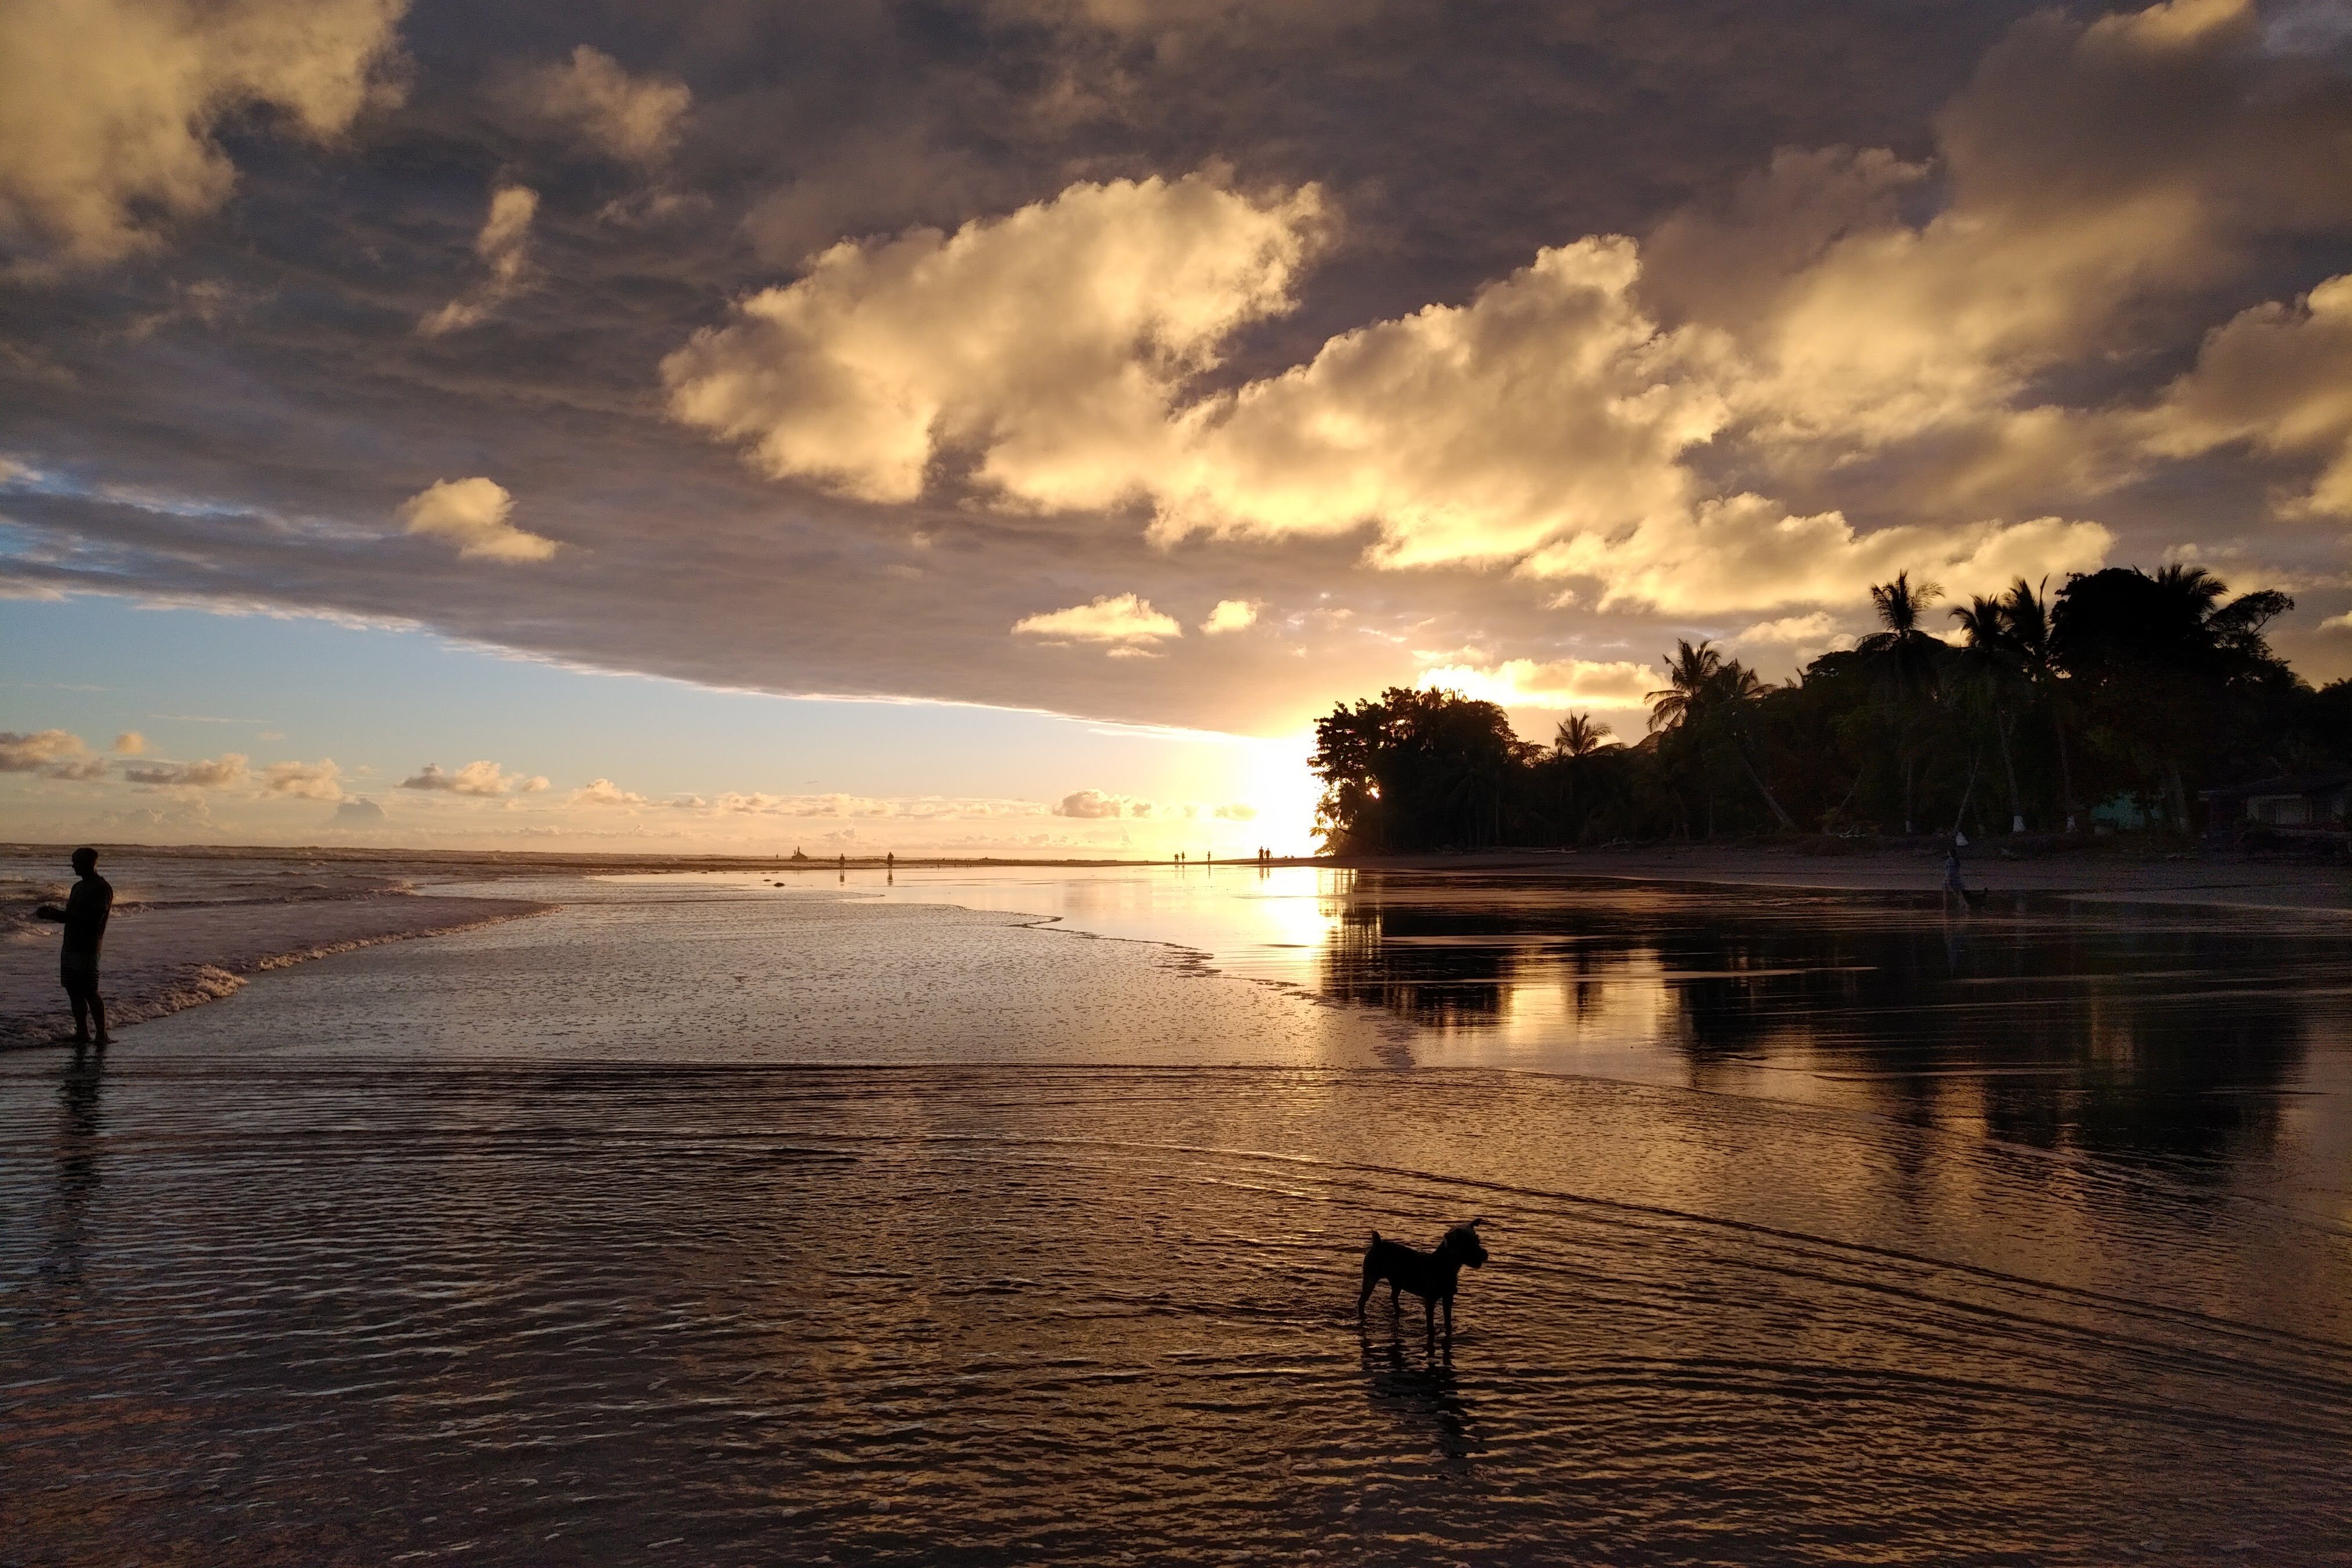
{"x": 163, "y": 956}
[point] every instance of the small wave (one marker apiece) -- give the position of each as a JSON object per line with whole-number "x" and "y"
{"x": 138, "y": 996}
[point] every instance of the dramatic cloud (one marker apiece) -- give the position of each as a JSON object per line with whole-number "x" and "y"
{"x": 636, "y": 119}
{"x": 108, "y": 106}
{"x": 472, "y": 515}
{"x": 1113, "y": 618}
{"x": 893, "y": 327}
{"x": 51, "y": 753}
{"x": 475, "y": 778}
{"x": 1231, "y": 615}
{"x": 504, "y": 247}
{"x": 227, "y": 771}
{"x": 1051, "y": 343}
{"x": 1746, "y": 553}
{"x": 321, "y": 780}
{"x": 2277, "y": 378}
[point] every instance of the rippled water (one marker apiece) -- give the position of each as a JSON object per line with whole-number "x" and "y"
{"x": 569, "y": 1240}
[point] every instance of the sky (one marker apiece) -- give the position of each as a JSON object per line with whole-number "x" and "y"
{"x": 1002, "y": 426}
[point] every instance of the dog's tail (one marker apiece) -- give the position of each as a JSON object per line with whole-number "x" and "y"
{"x": 1375, "y": 1236}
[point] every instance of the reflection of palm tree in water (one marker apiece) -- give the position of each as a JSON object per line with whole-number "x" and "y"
{"x": 79, "y": 1122}
{"x": 1419, "y": 1390}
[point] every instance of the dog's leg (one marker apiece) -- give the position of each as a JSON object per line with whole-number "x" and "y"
{"x": 1370, "y": 1279}
{"x": 1394, "y": 1308}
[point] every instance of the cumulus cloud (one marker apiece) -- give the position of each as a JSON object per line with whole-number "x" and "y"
{"x": 2277, "y": 378}
{"x": 108, "y": 106}
{"x": 1792, "y": 631}
{"x": 1092, "y": 804}
{"x": 51, "y": 753}
{"x": 1548, "y": 404}
{"x": 1112, "y": 618}
{"x": 604, "y": 791}
{"x": 321, "y": 780}
{"x": 634, "y": 118}
{"x": 1843, "y": 302}
{"x": 1231, "y": 615}
{"x": 472, "y": 514}
{"x": 227, "y": 771}
{"x": 1746, "y": 553}
{"x": 1546, "y": 423}
{"x": 482, "y": 778}
{"x": 504, "y": 247}
{"x": 129, "y": 743}
{"x": 1560, "y": 683}
{"x": 354, "y": 813}
{"x": 1050, "y": 343}
{"x": 1099, "y": 805}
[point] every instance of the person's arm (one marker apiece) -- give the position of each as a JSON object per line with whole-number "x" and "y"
{"x": 50, "y": 912}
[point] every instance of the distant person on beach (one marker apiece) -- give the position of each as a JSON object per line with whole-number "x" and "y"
{"x": 1954, "y": 889}
{"x": 84, "y": 917}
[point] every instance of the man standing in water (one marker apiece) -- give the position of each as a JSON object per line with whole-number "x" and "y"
{"x": 84, "y": 917}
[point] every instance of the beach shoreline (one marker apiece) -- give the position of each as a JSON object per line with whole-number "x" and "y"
{"x": 2083, "y": 868}
{"x": 2090, "y": 872}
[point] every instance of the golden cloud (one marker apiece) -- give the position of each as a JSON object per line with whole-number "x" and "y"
{"x": 1055, "y": 339}
{"x": 1556, "y": 684}
{"x": 472, "y": 515}
{"x": 2277, "y": 378}
{"x": 107, "y": 107}
{"x": 1113, "y": 618}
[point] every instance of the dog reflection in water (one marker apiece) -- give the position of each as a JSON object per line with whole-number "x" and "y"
{"x": 1433, "y": 1276}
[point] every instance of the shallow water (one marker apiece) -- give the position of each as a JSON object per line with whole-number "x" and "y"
{"x": 574, "y": 1239}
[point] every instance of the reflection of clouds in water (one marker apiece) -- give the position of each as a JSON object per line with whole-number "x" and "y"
{"x": 2165, "y": 1039}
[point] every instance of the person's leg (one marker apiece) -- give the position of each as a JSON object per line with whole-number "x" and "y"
{"x": 98, "y": 1015}
{"x": 78, "y": 994}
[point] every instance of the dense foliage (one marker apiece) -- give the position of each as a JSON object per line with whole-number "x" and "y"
{"x": 2129, "y": 687}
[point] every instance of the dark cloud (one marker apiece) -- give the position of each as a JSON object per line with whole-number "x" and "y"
{"x": 239, "y": 412}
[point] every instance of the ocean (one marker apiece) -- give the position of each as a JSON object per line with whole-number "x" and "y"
{"x": 1013, "y": 1214}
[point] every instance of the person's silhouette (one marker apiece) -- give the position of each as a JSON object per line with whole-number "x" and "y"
{"x": 84, "y": 917}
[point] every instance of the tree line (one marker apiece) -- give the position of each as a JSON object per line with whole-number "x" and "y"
{"x": 2126, "y": 691}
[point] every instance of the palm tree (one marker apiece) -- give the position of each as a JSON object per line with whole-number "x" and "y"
{"x": 1578, "y": 736}
{"x": 2025, "y": 626}
{"x": 1691, "y": 676}
{"x": 1991, "y": 665}
{"x": 1705, "y": 690}
{"x": 1908, "y": 656}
